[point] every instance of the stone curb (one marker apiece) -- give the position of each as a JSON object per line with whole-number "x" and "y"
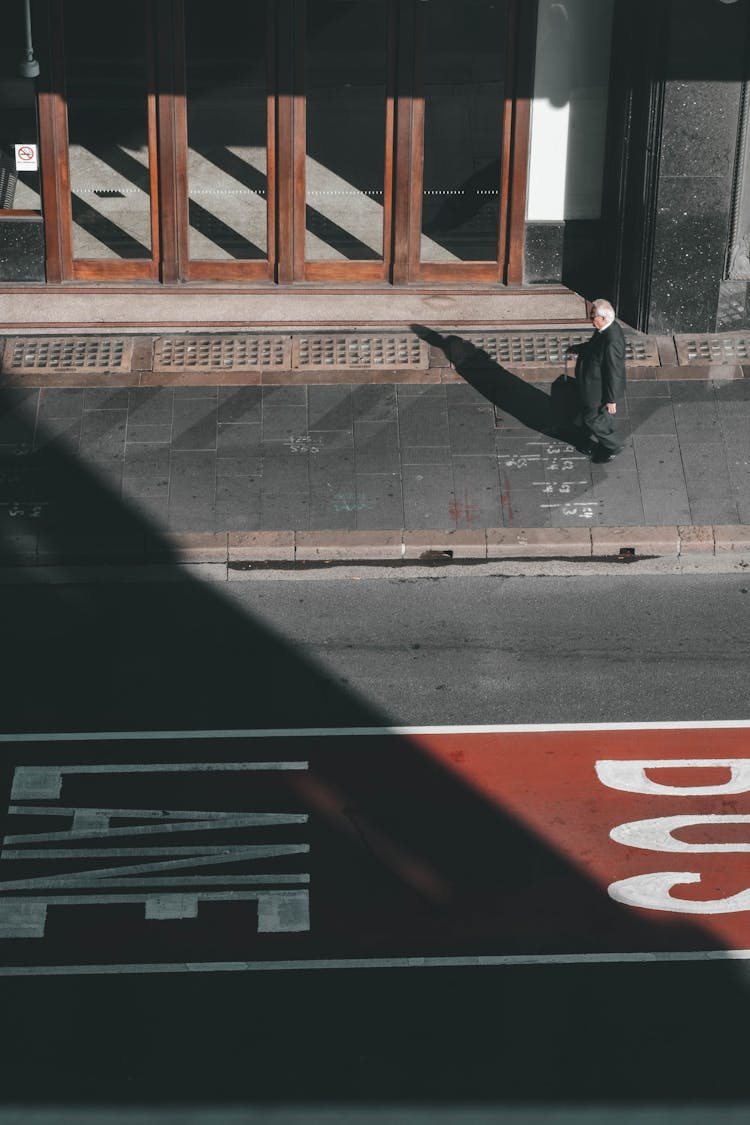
{"x": 240, "y": 550}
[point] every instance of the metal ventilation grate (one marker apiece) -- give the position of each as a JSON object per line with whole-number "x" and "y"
{"x": 97, "y": 355}
{"x": 729, "y": 348}
{"x": 221, "y": 353}
{"x": 341, "y": 352}
{"x": 539, "y": 348}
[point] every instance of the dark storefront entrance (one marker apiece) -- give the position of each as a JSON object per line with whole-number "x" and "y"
{"x": 291, "y": 141}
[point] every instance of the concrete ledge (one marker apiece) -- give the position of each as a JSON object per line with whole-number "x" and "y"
{"x": 347, "y": 544}
{"x": 72, "y": 548}
{"x": 702, "y": 371}
{"x": 190, "y": 546}
{"x": 728, "y": 537}
{"x": 538, "y": 542}
{"x": 222, "y": 550}
{"x": 18, "y": 550}
{"x": 696, "y": 540}
{"x": 643, "y": 540}
{"x": 261, "y": 546}
{"x": 461, "y": 543}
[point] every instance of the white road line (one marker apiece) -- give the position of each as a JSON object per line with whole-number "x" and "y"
{"x": 512, "y": 961}
{"x": 332, "y": 732}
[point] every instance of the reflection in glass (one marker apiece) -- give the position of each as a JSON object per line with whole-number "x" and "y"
{"x": 226, "y": 113}
{"x": 345, "y": 77}
{"x": 106, "y": 77}
{"x": 18, "y": 123}
{"x": 464, "y": 90}
{"x": 19, "y": 191}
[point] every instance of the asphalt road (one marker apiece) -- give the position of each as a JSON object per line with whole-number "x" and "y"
{"x": 378, "y": 650}
{"x": 450, "y": 647}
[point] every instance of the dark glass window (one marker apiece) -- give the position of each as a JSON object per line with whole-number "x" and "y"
{"x": 346, "y": 70}
{"x": 464, "y": 90}
{"x": 227, "y": 142}
{"x": 107, "y": 82}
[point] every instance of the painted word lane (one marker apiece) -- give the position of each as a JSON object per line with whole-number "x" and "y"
{"x": 239, "y": 850}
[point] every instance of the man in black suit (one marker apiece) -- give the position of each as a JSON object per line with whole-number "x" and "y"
{"x": 600, "y": 376}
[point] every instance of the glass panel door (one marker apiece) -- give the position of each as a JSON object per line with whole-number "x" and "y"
{"x": 226, "y": 221}
{"x": 111, "y": 141}
{"x": 461, "y": 75}
{"x": 347, "y": 135}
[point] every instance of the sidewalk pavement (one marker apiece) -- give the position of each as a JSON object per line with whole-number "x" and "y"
{"x": 466, "y": 462}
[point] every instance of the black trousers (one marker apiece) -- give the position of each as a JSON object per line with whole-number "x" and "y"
{"x": 600, "y": 424}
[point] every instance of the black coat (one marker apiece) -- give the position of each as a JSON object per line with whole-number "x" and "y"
{"x": 600, "y": 367}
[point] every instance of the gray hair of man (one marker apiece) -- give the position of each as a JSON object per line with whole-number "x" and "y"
{"x": 603, "y": 308}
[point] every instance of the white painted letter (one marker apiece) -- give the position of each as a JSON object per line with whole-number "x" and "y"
{"x": 630, "y": 777}
{"x": 652, "y": 893}
{"x": 656, "y": 835}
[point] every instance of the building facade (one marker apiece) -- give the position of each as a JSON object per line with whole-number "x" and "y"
{"x": 599, "y": 145}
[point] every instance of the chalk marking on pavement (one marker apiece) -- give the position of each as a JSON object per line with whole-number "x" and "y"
{"x": 324, "y": 732}
{"x": 511, "y": 961}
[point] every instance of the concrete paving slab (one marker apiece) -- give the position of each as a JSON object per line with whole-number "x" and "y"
{"x": 664, "y": 506}
{"x": 525, "y": 507}
{"x": 723, "y": 508}
{"x": 379, "y": 501}
{"x": 428, "y": 496}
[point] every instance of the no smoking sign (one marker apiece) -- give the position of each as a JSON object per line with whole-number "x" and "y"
{"x": 27, "y": 158}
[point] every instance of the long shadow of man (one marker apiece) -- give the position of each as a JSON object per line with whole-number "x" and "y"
{"x": 549, "y": 414}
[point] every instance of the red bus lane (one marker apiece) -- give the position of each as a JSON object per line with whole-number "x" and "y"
{"x": 659, "y": 819}
{"x": 394, "y": 847}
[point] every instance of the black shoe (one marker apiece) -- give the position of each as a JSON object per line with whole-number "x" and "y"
{"x": 604, "y": 456}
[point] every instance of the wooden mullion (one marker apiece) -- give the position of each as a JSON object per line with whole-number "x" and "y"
{"x": 284, "y": 148}
{"x": 299, "y": 132}
{"x": 171, "y": 163}
{"x": 408, "y": 162}
{"x": 521, "y": 42}
{"x": 151, "y": 126}
{"x": 271, "y": 138}
{"x": 390, "y": 121}
{"x": 53, "y": 146}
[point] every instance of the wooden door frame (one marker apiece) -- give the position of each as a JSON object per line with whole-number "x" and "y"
{"x": 508, "y": 264}
{"x": 286, "y": 158}
{"x": 204, "y": 269}
{"x": 349, "y": 270}
{"x": 56, "y": 187}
